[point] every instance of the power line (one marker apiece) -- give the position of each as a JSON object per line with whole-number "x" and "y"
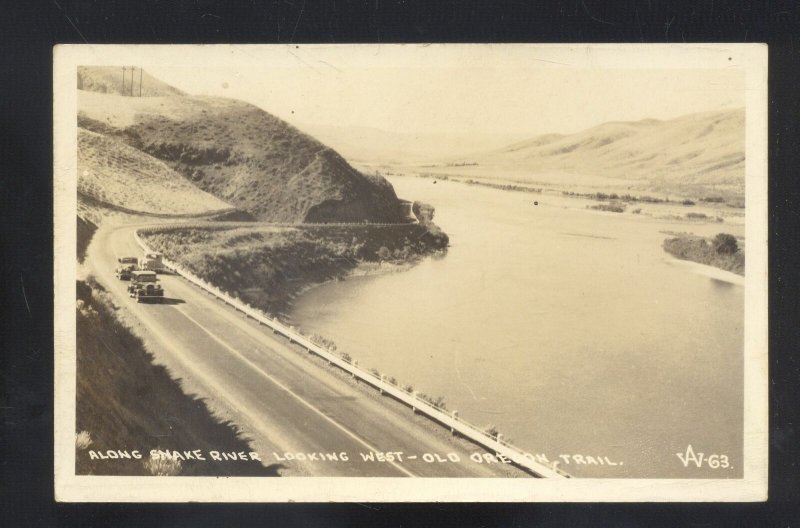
{"x": 132, "y": 90}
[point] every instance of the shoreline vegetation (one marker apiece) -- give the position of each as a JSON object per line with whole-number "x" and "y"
{"x": 612, "y": 202}
{"x": 511, "y": 185}
{"x": 269, "y": 266}
{"x": 723, "y": 251}
{"x": 126, "y": 403}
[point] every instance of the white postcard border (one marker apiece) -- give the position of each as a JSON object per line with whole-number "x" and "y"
{"x": 752, "y": 487}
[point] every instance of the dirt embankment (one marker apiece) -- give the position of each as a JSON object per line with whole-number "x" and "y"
{"x": 86, "y": 230}
{"x": 269, "y": 266}
{"x": 125, "y": 402}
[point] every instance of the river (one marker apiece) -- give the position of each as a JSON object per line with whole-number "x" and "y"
{"x": 570, "y": 330}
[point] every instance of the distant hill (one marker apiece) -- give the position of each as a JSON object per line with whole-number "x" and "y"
{"x": 703, "y": 152}
{"x": 239, "y": 153}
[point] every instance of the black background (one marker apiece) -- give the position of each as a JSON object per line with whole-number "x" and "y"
{"x": 28, "y": 31}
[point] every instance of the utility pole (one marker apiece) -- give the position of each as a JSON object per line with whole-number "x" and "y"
{"x": 140, "y": 81}
{"x": 122, "y": 92}
{"x": 132, "y": 72}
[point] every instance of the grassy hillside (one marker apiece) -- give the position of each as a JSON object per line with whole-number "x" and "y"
{"x": 122, "y": 176}
{"x": 125, "y": 402}
{"x": 108, "y": 79}
{"x": 243, "y": 156}
{"x": 269, "y": 266}
{"x": 698, "y": 154}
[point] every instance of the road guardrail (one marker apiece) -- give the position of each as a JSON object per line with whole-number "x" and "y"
{"x": 451, "y": 420}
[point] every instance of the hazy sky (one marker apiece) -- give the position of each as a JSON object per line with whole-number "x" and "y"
{"x": 514, "y": 91}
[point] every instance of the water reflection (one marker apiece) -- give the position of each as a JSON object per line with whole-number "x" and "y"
{"x": 721, "y": 284}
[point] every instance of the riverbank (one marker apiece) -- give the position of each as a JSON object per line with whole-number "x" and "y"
{"x": 709, "y": 271}
{"x": 270, "y": 266}
{"x": 601, "y": 195}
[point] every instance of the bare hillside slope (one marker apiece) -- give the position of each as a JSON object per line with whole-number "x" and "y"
{"x": 244, "y": 156}
{"x": 704, "y": 150}
{"x": 117, "y": 175}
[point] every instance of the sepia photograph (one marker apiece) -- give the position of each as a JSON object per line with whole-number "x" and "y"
{"x": 495, "y": 272}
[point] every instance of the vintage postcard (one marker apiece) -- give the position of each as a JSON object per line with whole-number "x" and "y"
{"x": 410, "y": 272}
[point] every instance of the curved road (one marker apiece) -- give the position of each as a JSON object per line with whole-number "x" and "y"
{"x": 281, "y": 399}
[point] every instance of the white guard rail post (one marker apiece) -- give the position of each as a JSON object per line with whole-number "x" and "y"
{"x": 455, "y": 423}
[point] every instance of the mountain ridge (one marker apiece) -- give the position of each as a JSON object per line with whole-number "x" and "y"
{"x": 240, "y": 154}
{"x": 697, "y": 152}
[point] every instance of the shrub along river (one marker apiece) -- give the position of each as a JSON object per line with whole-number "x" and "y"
{"x": 570, "y": 330}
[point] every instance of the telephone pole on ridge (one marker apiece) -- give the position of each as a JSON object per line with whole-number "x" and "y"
{"x": 131, "y": 91}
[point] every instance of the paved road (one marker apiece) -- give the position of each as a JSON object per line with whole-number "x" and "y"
{"x": 281, "y": 398}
